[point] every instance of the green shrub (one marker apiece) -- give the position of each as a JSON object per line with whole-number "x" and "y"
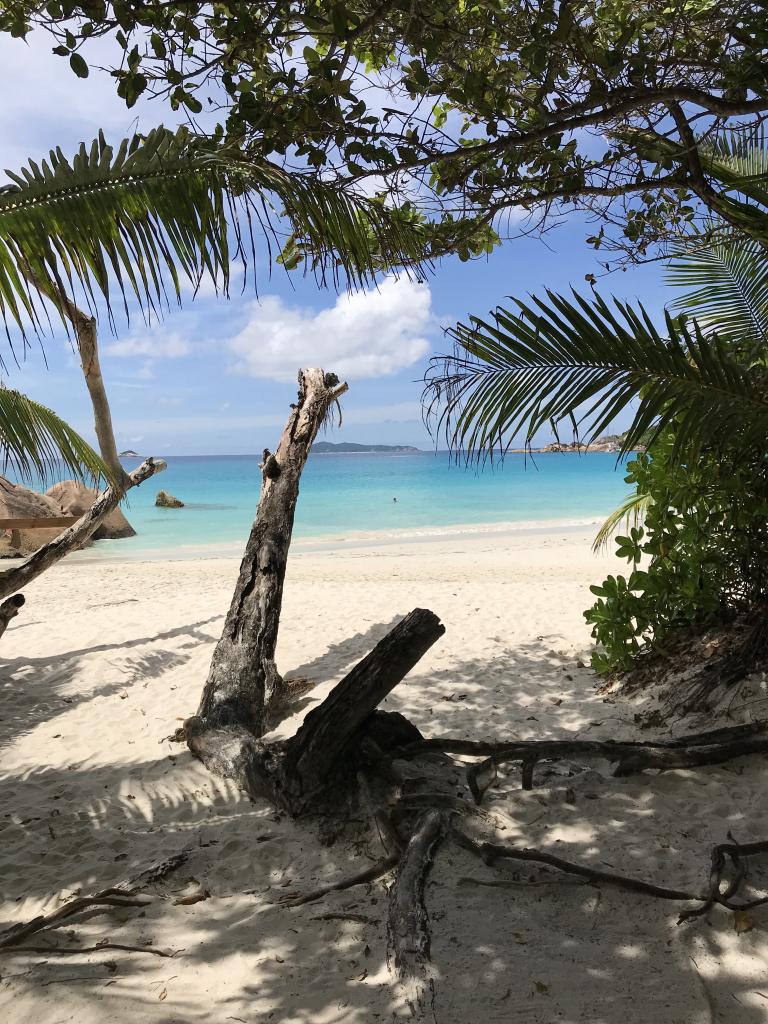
{"x": 701, "y": 554}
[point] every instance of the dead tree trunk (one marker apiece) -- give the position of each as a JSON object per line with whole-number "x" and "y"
{"x": 243, "y": 679}
{"x": 9, "y": 609}
{"x": 76, "y": 535}
{"x": 308, "y": 770}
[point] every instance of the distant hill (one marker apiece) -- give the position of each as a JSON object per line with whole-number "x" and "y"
{"x": 129, "y": 453}
{"x": 326, "y": 448}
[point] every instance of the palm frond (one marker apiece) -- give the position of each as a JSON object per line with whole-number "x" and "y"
{"x": 585, "y": 361}
{"x": 736, "y": 161}
{"x": 36, "y": 444}
{"x": 744, "y": 154}
{"x": 166, "y": 206}
{"x": 631, "y": 512}
{"x": 728, "y": 288}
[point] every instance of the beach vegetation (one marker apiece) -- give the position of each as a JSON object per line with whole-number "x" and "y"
{"x": 36, "y": 444}
{"x": 607, "y": 108}
{"x": 699, "y": 556}
{"x": 696, "y": 536}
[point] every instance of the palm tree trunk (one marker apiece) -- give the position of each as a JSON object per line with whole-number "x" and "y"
{"x": 88, "y": 349}
{"x": 75, "y": 536}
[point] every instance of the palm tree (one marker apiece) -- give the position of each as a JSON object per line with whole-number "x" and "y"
{"x": 130, "y": 225}
{"x": 584, "y": 359}
{"x": 35, "y": 442}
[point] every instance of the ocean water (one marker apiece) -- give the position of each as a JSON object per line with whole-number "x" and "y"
{"x": 345, "y": 498}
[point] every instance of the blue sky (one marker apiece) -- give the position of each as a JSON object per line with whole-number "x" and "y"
{"x": 216, "y": 376}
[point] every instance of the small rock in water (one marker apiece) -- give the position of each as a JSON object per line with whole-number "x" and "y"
{"x": 166, "y": 500}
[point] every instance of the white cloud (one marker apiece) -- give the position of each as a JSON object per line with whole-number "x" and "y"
{"x": 160, "y": 345}
{"x": 366, "y": 334}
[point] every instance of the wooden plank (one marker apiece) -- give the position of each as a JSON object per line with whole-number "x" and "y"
{"x": 52, "y": 523}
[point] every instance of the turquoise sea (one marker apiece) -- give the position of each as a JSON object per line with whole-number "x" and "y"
{"x": 350, "y": 497}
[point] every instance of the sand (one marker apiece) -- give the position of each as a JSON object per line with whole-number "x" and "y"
{"x": 104, "y": 660}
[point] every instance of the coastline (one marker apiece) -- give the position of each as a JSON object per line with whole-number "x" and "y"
{"x": 105, "y": 552}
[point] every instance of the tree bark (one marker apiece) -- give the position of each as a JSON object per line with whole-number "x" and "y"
{"x": 301, "y": 773}
{"x": 243, "y": 680}
{"x": 408, "y": 925}
{"x": 317, "y": 746}
{"x": 9, "y": 609}
{"x": 87, "y": 344}
{"x": 88, "y": 349}
{"x": 75, "y": 536}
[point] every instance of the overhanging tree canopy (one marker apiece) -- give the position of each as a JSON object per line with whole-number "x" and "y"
{"x": 160, "y": 208}
{"x": 468, "y": 110}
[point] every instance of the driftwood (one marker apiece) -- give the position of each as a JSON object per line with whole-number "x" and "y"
{"x": 243, "y": 680}
{"x": 12, "y": 580}
{"x": 370, "y": 874}
{"x": 408, "y": 925}
{"x": 9, "y": 609}
{"x": 347, "y": 752}
{"x": 630, "y": 757}
{"x": 125, "y": 894}
{"x": 85, "y": 950}
{"x": 721, "y": 856}
{"x": 113, "y": 897}
{"x": 302, "y": 773}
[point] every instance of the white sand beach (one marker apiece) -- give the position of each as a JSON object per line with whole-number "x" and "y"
{"x": 106, "y": 658}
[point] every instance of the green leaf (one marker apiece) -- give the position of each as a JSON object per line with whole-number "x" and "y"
{"x": 584, "y": 361}
{"x": 36, "y": 444}
{"x": 138, "y": 219}
{"x": 78, "y": 65}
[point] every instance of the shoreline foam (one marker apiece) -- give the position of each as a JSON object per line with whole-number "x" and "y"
{"x": 105, "y": 552}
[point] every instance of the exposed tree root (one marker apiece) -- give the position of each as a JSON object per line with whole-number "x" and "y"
{"x": 733, "y": 852}
{"x": 124, "y": 895}
{"x": 368, "y": 875}
{"x": 106, "y": 898}
{"x": 408, "y": 925}
{"x": 630, "y": 757}
{"x": 72, "y": 951}
{"x": 721, "y": 855}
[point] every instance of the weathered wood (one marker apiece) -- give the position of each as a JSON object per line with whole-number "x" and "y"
{"x": 408, "y": 924}
{"x": 243, "y": 679}
{"x": 294, "y": 773}
{"x": 630, "y": 757}
{"x": 9, "y": 609}
{"x": 314, "y": 752}
{"x": 37, "y": 524}
{"x": 72, "y": 538}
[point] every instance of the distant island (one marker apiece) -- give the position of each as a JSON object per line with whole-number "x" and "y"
{"x": 609, "y": 443}
{"x": 327, "y": 448}
{"x": 129, "y": 454}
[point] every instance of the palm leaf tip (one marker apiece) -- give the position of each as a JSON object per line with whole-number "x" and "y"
{"x": 36, "y": 444}
{"x": 631, "y": 512}
{"x": 582, "y": 360}
{"x": 134, "y": 221}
